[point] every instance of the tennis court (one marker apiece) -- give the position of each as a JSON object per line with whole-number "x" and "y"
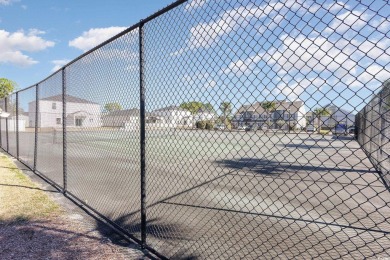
{"x": 207, "y": 187}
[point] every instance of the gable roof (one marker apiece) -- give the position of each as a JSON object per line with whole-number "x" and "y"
{"x": 133, "y": 112}
{"x": 169, "y": 108}
{"x": 69, "y": 98}
{"x": 279, "y": 105}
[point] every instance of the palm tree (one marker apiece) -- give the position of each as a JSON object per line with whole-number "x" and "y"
{"x": 226, "y": 108}
{"x": 318, "y": 112}
{"x": 268, "y": 106}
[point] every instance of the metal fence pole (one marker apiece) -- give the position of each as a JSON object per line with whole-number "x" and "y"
{"x": 36, "y": 126}
{"x": 64, "y": 130}
{"x": 6, "y": 124}
{"x": 17, "y": 125}
{"x": 1, "y": 134}
{"x": 142, "y": 137}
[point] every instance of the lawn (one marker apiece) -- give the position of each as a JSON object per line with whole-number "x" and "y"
{"x": 21, "y": 199}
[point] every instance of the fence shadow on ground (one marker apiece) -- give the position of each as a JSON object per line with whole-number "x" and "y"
{"x": 36, "y": 240}
{"x": 276, "y": 168}
{"x": 156, "y": 229}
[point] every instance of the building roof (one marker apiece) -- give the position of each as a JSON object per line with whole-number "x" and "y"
{"x": 69, "y": 98}
{"x": 170, "y": 108}
{"x": 280, "y": 105}
{"x": 125, "y": 112}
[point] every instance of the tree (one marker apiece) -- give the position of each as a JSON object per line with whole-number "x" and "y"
{"x": 6, "y": 87}
{"x": 195, "y": 106}
{"x": 318, "y": 112}
{"x": 226, "y": 108}
{"x": 113, "y": 106}
{"x": 268, "y": 106}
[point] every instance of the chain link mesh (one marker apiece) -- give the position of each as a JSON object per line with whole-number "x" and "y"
{"x": 49, "y": 145}
{"x": 373, "y": 126}
{"x": 103, "y": 131}
{"x": 254, "y": 145}
{"x": 11, "y": 109}
{"x": 26, "y": 118}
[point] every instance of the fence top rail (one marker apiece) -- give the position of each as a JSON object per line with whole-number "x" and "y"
{"x": 129, "y": 29}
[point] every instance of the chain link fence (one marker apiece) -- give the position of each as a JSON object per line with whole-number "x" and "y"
{"x": 224, "y": 130}
{"x": 373, "y": 131}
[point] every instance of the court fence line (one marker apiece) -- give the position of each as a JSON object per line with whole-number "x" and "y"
{"x": 105, "y": 130}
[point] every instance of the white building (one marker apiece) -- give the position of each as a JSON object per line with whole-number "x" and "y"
{"x": 122, "y": 118}
{"x": 79, "y": 112}
{"x": 12, "y": 124}
{"x": 173, "y": 116}
{"x": 204, "y": 114}
{"x": 338, "y": 116}
{"x": 285, "y": 114}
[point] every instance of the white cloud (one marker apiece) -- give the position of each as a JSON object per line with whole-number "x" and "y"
{"x": 94, "y": 37}
{"x": 194, "y": 4}
{"x": 372, "y": 77}
{"x": 296, "y": 87}
{"x": 302, "y": 54}
{"x": 208, "y": 33}
{"x": 14, "y": 44}
{"x": 7, "y": 2}
{"x": 350, "y": 19}
{"x": 58, "y": 64}
{"x": 332, "y": 6}
{"x": 24, "y": 7}
{"x": 211, "y": 84}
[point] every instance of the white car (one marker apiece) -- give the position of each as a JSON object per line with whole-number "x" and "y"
{"x": 310, "y": 128}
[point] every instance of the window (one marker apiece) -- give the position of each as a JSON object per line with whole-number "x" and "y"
{"x": 58, "y": 120}
{"x": 278, "y": 114}
{"x": 54, "y": 106}
{"x": 91, "y": 120}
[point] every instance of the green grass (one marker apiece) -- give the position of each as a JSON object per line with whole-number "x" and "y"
{"x": 21, "y": 199}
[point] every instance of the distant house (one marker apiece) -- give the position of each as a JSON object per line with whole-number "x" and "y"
{"x": 127, "y": 118}
{"x": 285, "y": 114}
{"x": 338, "y": 116}
{"x": 173, "y": 116}
{"x": 204, "y": 114}
{"x": 11, "y": 123}
{"x": 24, "y": 116}
{"x": 79, "y": 112}
{"x": 310, "y": 117}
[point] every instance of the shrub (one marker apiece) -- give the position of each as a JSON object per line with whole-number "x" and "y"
{"x": 201, "y": 124}
{"x": 209, "y": 125}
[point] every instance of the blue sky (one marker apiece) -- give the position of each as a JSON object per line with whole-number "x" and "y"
{"x": 241, "y": 51}
{"x": 48, "y": 28}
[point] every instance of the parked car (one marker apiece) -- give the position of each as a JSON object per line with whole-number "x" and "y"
{"x": 311, "y": 128}
{"x": 241, "y": 127}
{"x": 351, "y": 130}
{"x": 340, "y": 130}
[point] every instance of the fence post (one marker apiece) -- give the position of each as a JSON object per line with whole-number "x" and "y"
{"x": 17, "y": 125}
{"x": 1, "y": 133}
{"x": 36, "y": 126}
{"x": 6, "y": 123}
{"x": 142, "y": 137}
{"x": 64, "y": 131}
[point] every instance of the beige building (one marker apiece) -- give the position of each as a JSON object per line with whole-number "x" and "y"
{"x": 285, "y": 114}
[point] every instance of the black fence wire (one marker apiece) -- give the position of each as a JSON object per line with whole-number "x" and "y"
{"x": 373, "y": 131}
{"x": 224, "y": 130}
